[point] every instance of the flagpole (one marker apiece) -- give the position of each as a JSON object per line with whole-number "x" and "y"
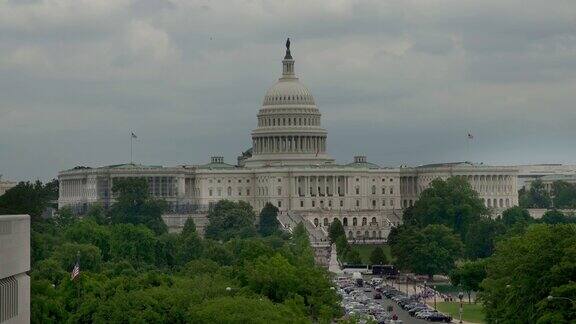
{"x": 131, "y": 139}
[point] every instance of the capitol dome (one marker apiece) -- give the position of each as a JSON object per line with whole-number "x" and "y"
{"x": 289, "y": 130}
{"x": 288, "y": 91}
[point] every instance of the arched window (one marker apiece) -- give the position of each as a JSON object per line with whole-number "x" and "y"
{"x": 373, "y": 190}
{"x": 357, "y": 203}
{"x": 374, "y": 221}
{"x": 316, "y": 222}
{"x": 325, "y": 221}
{"x": 366, "y": 234}
{"x": 383, "y": 190}
{"x": 373, "y": 234}
{"x": 380, "y": 234}
{"x": 364, "y": 221}
{"x": 354, "y": 221}
{"x": 350, "y": 235}
{"x": 507, "y": 202}
{"x": 373, "y": 203}
{"x": 345, "y": 221}
{"x": 357, "y": 190}
{"x": 501, "y": 203}
{"x": 279, "y": 191}
{"x": 489, "y": 203}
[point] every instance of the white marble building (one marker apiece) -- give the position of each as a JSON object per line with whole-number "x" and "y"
{"x": 6, "y": 185}
{"x": 289, "y": 166}
{"x": 14, "y": 268}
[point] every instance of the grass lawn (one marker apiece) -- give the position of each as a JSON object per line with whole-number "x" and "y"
{"x": 366, "y": 249}
{"x": 447, "y": 288}
{"x": 472, "y": 312}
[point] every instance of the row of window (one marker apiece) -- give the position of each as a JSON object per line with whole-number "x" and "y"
{"x": 326, "y": 222}
{"x": 229, "y": 180}
{"x": 300, "y": 121}
{"x": 228, "y": 191}
{"x": 496, "y": 202}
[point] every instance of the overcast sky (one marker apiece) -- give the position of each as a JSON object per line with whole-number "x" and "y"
{"x": 401, "y": 81}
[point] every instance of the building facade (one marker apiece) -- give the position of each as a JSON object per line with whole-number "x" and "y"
{"x": 5, "y": 185}
{"x": 289, "y": 166}
{"x": 14, "y": 265}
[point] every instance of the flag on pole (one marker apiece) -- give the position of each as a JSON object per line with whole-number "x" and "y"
{"x": 134, "y": 135}
{"x": 470, "y": 136}
{"x": 76, "y": 269}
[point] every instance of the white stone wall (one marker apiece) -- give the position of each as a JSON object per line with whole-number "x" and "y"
{"x": 14, "y": 263}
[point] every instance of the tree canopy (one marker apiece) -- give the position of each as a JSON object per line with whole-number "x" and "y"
{"x": 535, "y": 197}
{"x": 564, "y": 194}
{"x": 468, "y": 275}
{"x": 29, "y": 198}
{"x": 431, "y": 250}
{"x": 228, "y": 219}
{"x": 450, "y": 202}
{"x": 377, "y": 256}
{"x": 268, "y": 220}
{"x": 525, "y": 269}
{"x": 134, "y": 205}
{"x": 130, "y": 273}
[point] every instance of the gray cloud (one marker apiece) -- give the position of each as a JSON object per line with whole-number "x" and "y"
{"x": 400, "y": 81}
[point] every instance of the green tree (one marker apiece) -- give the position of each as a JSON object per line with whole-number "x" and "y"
{"x": 87, "y": 231}
{"x": 377, "y": 256}
{"x": 481, "y": 238}
{"x": 336, "y": 230}
{"x": 228, "y": 219}
{"x": 244, "y": 310}
{"x": 135, "y": 206}
{"x": 189, "y": 244}
{"x": 468, "y": 275}
{"x": 555, "y": 216}
{"x": 535, "y": 197}
{"x": 273, "y": 277}
{"x": 98, "y": 214}
{"x": 516, "y": 220}
{"x": 352, "y": 256}
{"x": 134, "y": 243}
{"x": 90, "y": 256}
{"x": 450, "y": 202}
{"x": 525, "y": 269}
{"x": 564, "y": 194}
{"x": 431, "y": 250}
{"x": 64, "y": 218}
{"x": 268, "y": 220}
{"x": 29, "y": 198}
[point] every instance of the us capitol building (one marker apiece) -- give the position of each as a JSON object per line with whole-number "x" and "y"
{"x": 289, "y": 166}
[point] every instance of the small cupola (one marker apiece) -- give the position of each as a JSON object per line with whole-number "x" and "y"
{"x": 360, "y": 159}
{"x": 217, "y": 159}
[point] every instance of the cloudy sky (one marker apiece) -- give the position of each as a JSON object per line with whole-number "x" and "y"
{"x": 402, "y": 81}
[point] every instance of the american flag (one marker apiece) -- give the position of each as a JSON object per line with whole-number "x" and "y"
{"x": 134, "y": 135}
{"x": 76, "y": 270}
{"x": 470, "y": 136}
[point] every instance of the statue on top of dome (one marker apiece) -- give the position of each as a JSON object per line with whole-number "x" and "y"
{"x": 288, "y": 55}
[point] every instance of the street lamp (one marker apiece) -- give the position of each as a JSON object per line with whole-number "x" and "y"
{"x": 461, "y": 296}
{"x": 435, "y": 297}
